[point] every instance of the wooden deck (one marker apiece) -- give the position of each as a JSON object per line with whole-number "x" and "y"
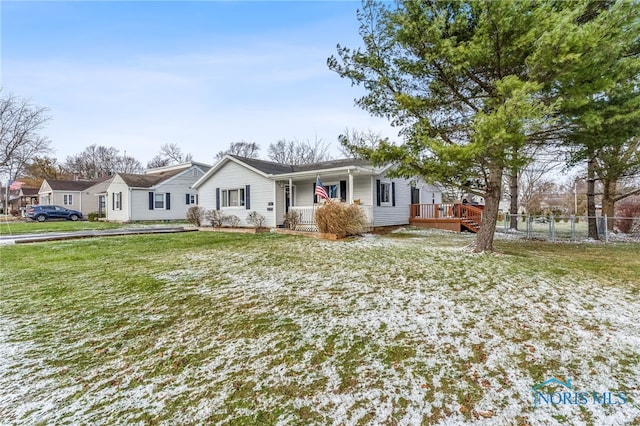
{"x": 452, "y": 217}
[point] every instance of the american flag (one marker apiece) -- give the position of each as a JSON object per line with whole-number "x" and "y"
{"x": 320, "y": 191}
{"x": 14, "y": 185}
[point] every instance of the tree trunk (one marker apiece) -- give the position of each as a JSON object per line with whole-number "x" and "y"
{"x": 608, "y": 201}
{"x": 484, "y": 239}
{"x": 513, "y": 208}
{"x": 591, "y": 200}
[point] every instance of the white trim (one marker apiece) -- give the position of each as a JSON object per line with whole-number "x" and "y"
{"x": 219, "y": 165}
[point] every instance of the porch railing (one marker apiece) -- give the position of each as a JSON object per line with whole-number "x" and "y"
{"x": 307, "y": 220}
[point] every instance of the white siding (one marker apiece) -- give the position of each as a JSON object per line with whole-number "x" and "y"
{"x": 121, "y": 215}
{"x": 304, "y": 192}
{"x": 135, "y": 201}
{"x": 178, "y": 187}
{"x": 231, "y": 176}
{"x": 430, "y": 194}
{"x": 390, "y": 215}
{"x": 362, "y": 190}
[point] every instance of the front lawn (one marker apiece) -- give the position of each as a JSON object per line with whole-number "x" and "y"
{"x": 8, "y": 228}
{"x": 241, "y": 329}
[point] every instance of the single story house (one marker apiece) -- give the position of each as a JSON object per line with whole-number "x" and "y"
{"x": 164, "y": 193}
{"x": 72, "y": 194}
{"x": 21, "y": 199}
{"x": 238, "y": 186}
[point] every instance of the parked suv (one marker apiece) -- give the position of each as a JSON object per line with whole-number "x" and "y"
{"x": 42, "y": 213}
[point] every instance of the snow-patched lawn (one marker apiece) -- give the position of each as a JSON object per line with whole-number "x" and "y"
{"x": 266, "y": 329}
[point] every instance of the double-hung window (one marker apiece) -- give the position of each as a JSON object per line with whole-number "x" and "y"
{"x": 68, "y": 199}
{"x": 233, "y": 197}
{"x": 158, "y": 201}
{"x": 385, "y": 193}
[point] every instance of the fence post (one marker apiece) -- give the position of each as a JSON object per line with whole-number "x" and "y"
{"x": 528, "y": 219}
{"x": 552, "y": 228}
{"x": 573, "y": 227}
{"x": 606, "y": 229}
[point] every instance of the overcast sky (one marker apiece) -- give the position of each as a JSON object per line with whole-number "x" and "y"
{"x": 137, "y": 75}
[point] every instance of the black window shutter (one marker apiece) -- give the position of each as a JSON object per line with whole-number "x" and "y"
{"x": 120, "y": 200}
{"x": 196, "y": 198}
{"x": 343, "y": 190}
{"x": 188, "y": 199}
{"x": 168, "y": 201}
{"x": 217, "y": 198}
{"x": 315, "y": 197}
{"x": 113, "y": 201}
{"x": 393, "y": 194}
{"x": 247, "y": 198}
{"x": 150, "y": 200}
{"x": 377, "y": 192}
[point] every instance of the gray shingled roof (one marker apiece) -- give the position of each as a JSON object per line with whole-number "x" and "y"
{"x": 70, "y": 185}
{"x": 272, "y": 168}
{"x": 148, "y": 180}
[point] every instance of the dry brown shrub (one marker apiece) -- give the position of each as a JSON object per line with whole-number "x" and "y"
{"x": 341, "y": 219}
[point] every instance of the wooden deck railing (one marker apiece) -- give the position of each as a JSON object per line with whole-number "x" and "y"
{"x": 468, "y": 215}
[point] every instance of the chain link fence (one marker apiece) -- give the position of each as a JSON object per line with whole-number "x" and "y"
{"x": 569, "y": 228}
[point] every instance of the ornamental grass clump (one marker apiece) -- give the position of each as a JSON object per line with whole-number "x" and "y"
{"x": 340, "y": 219}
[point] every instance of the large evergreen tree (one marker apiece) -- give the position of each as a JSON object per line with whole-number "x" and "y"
{"x": 470, "y": 85}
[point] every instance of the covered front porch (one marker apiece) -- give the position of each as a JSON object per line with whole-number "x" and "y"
{"x": 296, "y": 194}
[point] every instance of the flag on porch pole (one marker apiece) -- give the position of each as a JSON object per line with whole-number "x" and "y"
{"x": 320, "y": 191}
{"x": 14, "y": 185}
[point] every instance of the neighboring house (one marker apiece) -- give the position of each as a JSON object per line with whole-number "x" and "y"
{"x": 22, "y": 198}
{"x": 164, "y": 193}
{"x": 72, "y": 194}
{"x": 238, "y": 186}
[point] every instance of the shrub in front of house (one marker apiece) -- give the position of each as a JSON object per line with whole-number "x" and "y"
{"x": 292, "y": 219}
{"x": 340, "y": 219}
{"x": 232, "y": 220}
{"x": 92, "y": 217}
{"x": 195, "y": 215}
{"x": 256, "y": 220}
{"x": 215, "y": 217}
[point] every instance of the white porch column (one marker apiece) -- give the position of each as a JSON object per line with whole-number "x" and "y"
{"x": 290, "y": 192}
{"x": 350, "y": 187}
{"x": 275, "y": 204}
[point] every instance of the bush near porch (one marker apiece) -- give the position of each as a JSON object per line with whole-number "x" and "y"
{"x": 340, "y": 219}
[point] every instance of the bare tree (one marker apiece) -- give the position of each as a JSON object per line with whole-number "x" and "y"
{"x": 298, "y": 152}
{"x": 169, "y": 154}
{"x": 353, "y": 138}
{"x": 241, "y": 149}
{"x": 20, "y": 124}
{"x": 127, "y": 164}
{"x": 96, "y": 161}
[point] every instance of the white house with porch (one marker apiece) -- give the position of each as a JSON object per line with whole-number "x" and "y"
{"x": 238, "y": 186}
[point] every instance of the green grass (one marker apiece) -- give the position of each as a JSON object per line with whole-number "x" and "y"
{"x": 33, "y": 227}
{"x": 263, "y": 329}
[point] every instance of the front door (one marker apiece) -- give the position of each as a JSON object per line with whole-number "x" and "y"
{"x": 415, "y": 195}
{"x": 102, "y": 205}
{"x": 287, "y": 198}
